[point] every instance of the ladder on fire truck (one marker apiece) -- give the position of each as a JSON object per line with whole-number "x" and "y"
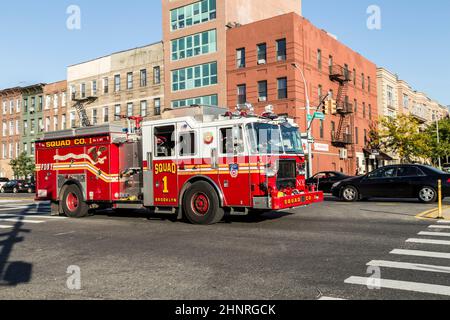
{"x": 343, "y": 136}
{"x": 79, "y": 106}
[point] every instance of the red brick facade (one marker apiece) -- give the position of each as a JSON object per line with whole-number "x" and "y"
{"x": 303, "y": 42}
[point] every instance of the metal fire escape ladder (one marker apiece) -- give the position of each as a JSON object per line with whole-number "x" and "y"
{"x": 344, "y": 109}
{"x": 79, "y": 106}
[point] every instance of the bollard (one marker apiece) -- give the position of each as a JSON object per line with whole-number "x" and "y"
{"x": 440, "y": 199}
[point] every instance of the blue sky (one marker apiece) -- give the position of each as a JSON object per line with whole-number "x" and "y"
{"x": 36, "y": 46}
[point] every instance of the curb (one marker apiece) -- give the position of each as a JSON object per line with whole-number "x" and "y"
{"x": 426, "y": 214}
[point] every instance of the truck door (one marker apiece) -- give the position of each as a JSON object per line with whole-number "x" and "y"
{"x": 234, "y": 173}
{"x": 165, "y": 182}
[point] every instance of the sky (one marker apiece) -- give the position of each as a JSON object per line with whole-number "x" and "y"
{"x": 36, "y": 45}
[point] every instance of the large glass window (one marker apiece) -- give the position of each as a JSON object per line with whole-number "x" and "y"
{"x": 242, "y": 94}
{"x": 268, "y": 138}
{"x": 240, "y": 58}
{"x": 193, "y": 14}
{"x": 194, "y": 45}
{"x": 206, "y": 100}
{"x": 194, "y": 77}
{"x": 262, "y": 90}
{"x": 281, "y": 50}
{"x": 282, "y": 88}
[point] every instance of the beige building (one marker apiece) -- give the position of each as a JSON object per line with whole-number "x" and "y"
{"x": 194, "y": 34}
{"x": 396, "y": 96}
{"x": 128, "y": 83}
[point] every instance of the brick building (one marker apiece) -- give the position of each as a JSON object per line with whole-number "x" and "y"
{"x": 265, "y": 61}
{"x": 10, "y": 120}
{"x": 194, "y": 36}
{"x": 55, "y": 106}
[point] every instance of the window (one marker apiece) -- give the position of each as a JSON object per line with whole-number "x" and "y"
{"x": 321, "y": 129}
{"x": 388, "y": 172}
{"x": 130, "y": 80}
{"x": 364, "y": 109}
{"x": 143, "y": 108}
{"x": 194, "y": 45}
{"x": 330, "y": 64}
{"x": 193, "y": 14}
{"x": 47, "y": 124}
{"x": 72, "y": 120}
{"x": 194, "y": 77}
{"x": 363, "y": 81}
{"x": 83, "y": 90}
{"x": 319, "y": 59}
{"x": 390, "y": 96}
{"x": 370, "y": 112}
{"x": 346, "y": 72}
{"x": 143, "y": 78}
{"x": 405, "y": 101}
{"x": 282, "y": 88}
{"x": 211, "y": 100}
{"x": 262, "y": 90}
{"x": 105, "y": 85}
{"x": 156, "y": 75}
{"x": 164, "y": 141}
{"x": 232, "y": 141}
{"x": 241, "y": 94}
{"x": 333, "y": 129}
{"x": 105, "y": 115}
{"x": 117, "y": 112}
{"x": 18, "y": 105}
{"x": 368, "y": 84}
{"x": 48, "y": 101}
{"x": 281, "y": 50}
{"x": 94, "y": 87}
{"x": 41, "y": 103}
{"x": 63, "y": 122}
{"x": 55, "y": 123}
{"x": 130, "y": 109}
{"x": 5, "y": 129}
{"x": 240, "y": 58}
{"x": 157, "y": 106}
{"x": 25, "y": 105}
{"x": 63, "y": 99}
{"x": 17, "y": 127}
{"x": 117, "y": 83}
{"x": 55, "y": 101}
{"x": 25, "y": 127}
{"x": 366, "y": 140}
{"x": 409, "y": 172}
{"x": 262, "y": 53}
{"x": 356, "y": 135}
{"x": 354, "y": 76}
{"x": 94, "y": 117}
{"x": 187, "y": 144}
{"x": 320, "y": 92}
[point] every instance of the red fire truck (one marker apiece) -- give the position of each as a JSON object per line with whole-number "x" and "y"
{"x": 199, "y": 162}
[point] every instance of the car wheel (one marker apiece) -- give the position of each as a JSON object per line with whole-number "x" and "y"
{"x": 349, "y": 194}
{"x": 73, "y": 204}
{"x": 30, "y": 190}
{"x": 428, "y": 195}
{"x": 2, "y": 190}
{"x": 201, "y": 204}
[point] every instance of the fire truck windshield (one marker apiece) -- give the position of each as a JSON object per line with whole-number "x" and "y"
{"x": 266, "y": 138}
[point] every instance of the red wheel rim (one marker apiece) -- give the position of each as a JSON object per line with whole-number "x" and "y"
{"x": 72, "y": 202}
{"x": 200, "y": 204}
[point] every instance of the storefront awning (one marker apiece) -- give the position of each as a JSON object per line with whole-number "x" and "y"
{"x": 378, "y": 154}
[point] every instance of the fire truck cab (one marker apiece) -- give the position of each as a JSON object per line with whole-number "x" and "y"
{"x": 197, "y": 162}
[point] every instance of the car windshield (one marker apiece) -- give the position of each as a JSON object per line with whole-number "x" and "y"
{"x": 268, "y": 138}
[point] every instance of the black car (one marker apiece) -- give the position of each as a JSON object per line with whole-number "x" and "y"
{"x": 399, "y": 181}
{"x": 325, "y": 180}
{"x": 17, "y": 186}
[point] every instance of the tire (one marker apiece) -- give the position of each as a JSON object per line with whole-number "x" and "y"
{"x": 427, "y": 195}
{"x": 30, "y": 191}
{"x": 201, "y": 204}
{"x": 349, "y": 194}
{"x": 2, "y": 190}
{"x": 73, "y": 204}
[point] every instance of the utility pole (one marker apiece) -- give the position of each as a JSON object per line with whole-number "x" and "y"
{"x": 308, "y": 123}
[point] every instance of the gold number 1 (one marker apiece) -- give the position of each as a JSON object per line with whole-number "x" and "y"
{"x": 166, "y": 189}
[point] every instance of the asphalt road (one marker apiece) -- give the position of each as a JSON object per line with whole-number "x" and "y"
{"x": 308, "y": 254}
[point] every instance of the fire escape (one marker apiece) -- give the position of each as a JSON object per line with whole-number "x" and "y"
{"x": 343, "y": 135}
{"x": 79, "y": 106}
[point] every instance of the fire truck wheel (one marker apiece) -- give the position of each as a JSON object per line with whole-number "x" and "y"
{"x": 201, "y": 204}
{"x": 73, "y": 204}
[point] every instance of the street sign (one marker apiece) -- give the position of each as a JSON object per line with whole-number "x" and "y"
{"x": 310, "y": 117}
{"x": 319, "y": 116}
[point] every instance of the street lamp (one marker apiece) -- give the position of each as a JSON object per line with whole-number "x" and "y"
{"x": 308, "y": 122}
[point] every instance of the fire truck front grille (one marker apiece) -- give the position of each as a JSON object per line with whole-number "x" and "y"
{"x": 287, "y": 174}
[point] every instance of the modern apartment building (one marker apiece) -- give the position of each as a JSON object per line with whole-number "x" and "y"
{"x": 195, "y": 38}
{"x": 10, "y": 120}
{"x": 396, "y": 96}
{"x": 32, "y": 116}
{"x": 129, "y": 83}
{"x": 265, "y": 63}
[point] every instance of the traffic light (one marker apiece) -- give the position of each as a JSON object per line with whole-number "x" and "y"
{"x": 333, "y": 106}
{"x": 326, "y": 108}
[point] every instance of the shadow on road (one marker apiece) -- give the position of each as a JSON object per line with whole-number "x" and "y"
{"x": 13, "y": 273}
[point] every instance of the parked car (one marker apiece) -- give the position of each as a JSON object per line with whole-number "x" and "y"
{"x": 399, "y": 181}
{"x": 17, "y": 186}
{"x": 325, "y": 180}
{"x": 3, "y": 181}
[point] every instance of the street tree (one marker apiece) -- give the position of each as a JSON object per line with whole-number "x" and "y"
{"x": 23, "y": 166}
{"x": 441, "y": 149}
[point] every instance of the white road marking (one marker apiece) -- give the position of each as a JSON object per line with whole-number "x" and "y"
{"x": 403, "y": 285}
{"x": 21, "y": 220}
{"x": 434, "y": 234}
{"x": 426, "y": 241}
{"x": 418, "y": 253}
{"x": 14, "y": 209}
{"x": 5, "y": 227}
{"x": 331, "y": 299}
{"x": 409, "y": 266}
{"x": 439, "y": 227}
{"x": 444, "y": 221}
{"x": 31, "y": 216}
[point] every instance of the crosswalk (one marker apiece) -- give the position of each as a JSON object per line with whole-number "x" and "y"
{"x": 418, "y": 269}
{"x": 14, "y": 214}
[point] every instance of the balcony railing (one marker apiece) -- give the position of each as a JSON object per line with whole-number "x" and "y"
{"x": 339, "y": 73}
{"x": 344, "y": 140}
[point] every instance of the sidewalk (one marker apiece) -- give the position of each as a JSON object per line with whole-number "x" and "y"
{"x": 434, "y": 213}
